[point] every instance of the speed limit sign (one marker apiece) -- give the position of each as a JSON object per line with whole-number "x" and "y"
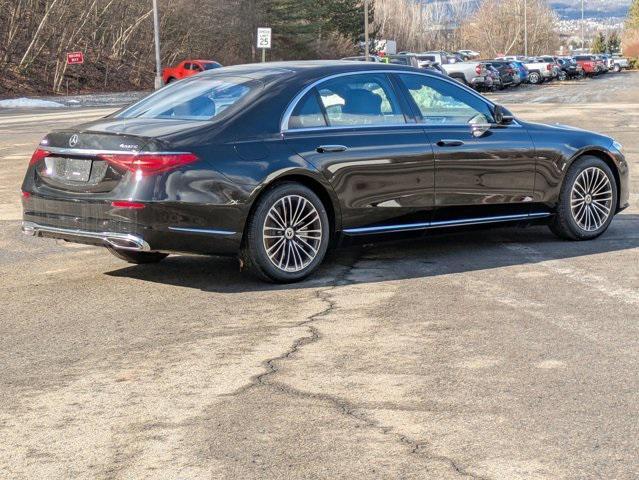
{"x": 263, "y": 38}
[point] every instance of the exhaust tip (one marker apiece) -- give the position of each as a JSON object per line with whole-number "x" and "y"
{"x": 28, "y": 229}
{"x": 128, "y": 243}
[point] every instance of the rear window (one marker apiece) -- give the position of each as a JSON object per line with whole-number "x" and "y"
{"x": 197, "y": 98}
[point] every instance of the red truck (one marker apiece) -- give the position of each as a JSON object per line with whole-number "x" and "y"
{"x": 589, "y": 64}
{"x": 186, "y": 69}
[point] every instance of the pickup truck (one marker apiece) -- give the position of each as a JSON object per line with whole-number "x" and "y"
{"x": 619, "y": 64}
{"x": 473, "y": 74}
{"x": 539, "y": 70}
{"x": 589, "y": 64}
{"x": 186, "y": 69}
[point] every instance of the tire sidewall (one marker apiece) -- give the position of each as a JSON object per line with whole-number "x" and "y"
{"x": 254, "y": 245}
{"x": 533, "y": 78}
{"x": 565, "y": 202}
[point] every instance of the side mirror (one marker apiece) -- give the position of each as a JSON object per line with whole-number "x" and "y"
{"x": 502, "y": 116}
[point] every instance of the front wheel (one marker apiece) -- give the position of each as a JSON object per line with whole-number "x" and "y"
{"x": 287, "y": 234}
{"x": 587, "y": 202}
{"x": 562, "y": 76}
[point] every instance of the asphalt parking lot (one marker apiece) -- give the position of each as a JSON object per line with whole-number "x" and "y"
{"x": 491, "y": 354}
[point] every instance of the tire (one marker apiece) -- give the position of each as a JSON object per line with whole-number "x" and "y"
{"x": 563, "y": 76}
{"x": 534, "y": 78}
{"x": 138, "y": 257}
{"x": 170, "y": 80}
{"x": 294, "y": 248}
{"x": 588, "y": 178}
{"x": 616, "y": 68}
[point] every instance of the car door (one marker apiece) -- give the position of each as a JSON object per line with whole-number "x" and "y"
{"x": 481, "y": 169}
{"x": 354, "y": 130}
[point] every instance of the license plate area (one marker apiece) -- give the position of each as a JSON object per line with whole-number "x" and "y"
{"x": 69, "y": 169}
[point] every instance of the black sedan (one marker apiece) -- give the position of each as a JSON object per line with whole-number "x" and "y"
{"x": 275, "y": 162}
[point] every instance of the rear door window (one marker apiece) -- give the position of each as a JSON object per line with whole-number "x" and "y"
{"x": 359, "y": 100}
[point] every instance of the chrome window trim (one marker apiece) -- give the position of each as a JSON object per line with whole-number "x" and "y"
{"x": 443, "y": 223}
{"x": 293, "y": 104}
{"x": 93, "y": 152}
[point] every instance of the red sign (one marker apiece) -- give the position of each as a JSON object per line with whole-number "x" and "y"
{"x": 74, "y": 58}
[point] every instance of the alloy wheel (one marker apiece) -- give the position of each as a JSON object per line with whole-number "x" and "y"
{"x": 591, "y": 199}
{"x": 292, "y": 233}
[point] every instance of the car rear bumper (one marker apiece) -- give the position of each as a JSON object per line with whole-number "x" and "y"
{"x": 121, "y": 241}
{"x": 159, "y": 226}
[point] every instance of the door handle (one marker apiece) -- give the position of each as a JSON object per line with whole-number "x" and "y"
{"x": 450, "y": 143}
{"x": 331, "y": 148}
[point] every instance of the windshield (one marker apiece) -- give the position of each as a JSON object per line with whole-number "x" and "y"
{"x": 196, "y": 98}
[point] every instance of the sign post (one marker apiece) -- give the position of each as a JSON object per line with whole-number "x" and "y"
{"x": 264, "y": 41}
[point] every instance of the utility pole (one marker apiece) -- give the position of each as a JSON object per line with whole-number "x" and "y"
{"x": 366, "y": 40}
{"x": 583, "y": 28}
{"x": 526, "y": 28}
{"x": 156, "y": 33}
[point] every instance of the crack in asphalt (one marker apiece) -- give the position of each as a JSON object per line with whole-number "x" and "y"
{"x": 345, "y": 407}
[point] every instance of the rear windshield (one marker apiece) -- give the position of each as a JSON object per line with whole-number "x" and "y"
{"x": 211, "y": 65}
{"x": 196, "y": 98}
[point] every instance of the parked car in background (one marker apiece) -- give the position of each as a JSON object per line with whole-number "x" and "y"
{"x": 619, "y": 63}
{"x": 468, "y": 54}
{"x": 186, "y": 69}
{"x": 588, "y": 63}
{"x": 469, "y": 73}
{"x": 520, "y": 70}
{"x": 539, "y": 70}
{"x": 362, "y": 58}
{"x": 556, "y": 68}
{"x": 404, "y": 58}
{"x": 569, "y": 68}
{"x": 493, "y": 76}
{"x": 602, "y": 63}
{"x": 506, "y": 72}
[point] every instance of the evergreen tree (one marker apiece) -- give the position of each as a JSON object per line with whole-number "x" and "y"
{"x": 599, "y": 44}
{"x": 632, "y": 23}
{"x": 613, "y": 42}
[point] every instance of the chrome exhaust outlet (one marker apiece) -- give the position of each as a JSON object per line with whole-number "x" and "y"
{"x": 121, "y": 241}
{"x": 130, "y": 242}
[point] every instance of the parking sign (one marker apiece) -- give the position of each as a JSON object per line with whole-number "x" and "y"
{"x": 263, "y": 38}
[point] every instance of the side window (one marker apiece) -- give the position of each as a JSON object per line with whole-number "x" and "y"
{"x": 357, "y": 100}
{"x": 307, "y": 113}
{"x": 443, "y": 103}
{"x": 187, "y": 66}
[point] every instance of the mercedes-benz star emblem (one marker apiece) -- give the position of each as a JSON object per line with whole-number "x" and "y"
{"x": 73, "y": 141}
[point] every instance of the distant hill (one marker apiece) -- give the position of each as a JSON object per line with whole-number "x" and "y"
{"x": 601, "y": 9}
{"x": 571, "y": 9}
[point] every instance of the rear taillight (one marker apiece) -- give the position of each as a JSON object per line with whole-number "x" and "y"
{"x": 478, "y": 69}
{"x": 149, "y": 163}
{"x": 24, "y": 194}
{"x": 549, "y": 67}
{"x": 38, "y": 155}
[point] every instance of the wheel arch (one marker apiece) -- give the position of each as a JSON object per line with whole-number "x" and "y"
{"x": 607, "y": 159}
{"x": 319, "y": 186}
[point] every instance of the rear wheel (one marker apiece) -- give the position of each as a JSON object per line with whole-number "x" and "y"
{"x": 138, "y": 257}
{"x": 534, "y": 78}
{"x": 562, "y": 76}
{"x": 287, "y": 235}
{"x": 616, "y": 68}
{"x": 587, "y": 201}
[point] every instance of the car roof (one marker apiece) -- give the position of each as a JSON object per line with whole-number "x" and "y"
{"x": 308, "y": 69}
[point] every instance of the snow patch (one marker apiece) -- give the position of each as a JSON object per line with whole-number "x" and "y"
{"x": 29, "y": 103}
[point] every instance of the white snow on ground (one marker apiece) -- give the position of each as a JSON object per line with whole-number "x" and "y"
{"x": 29, "y": 103}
